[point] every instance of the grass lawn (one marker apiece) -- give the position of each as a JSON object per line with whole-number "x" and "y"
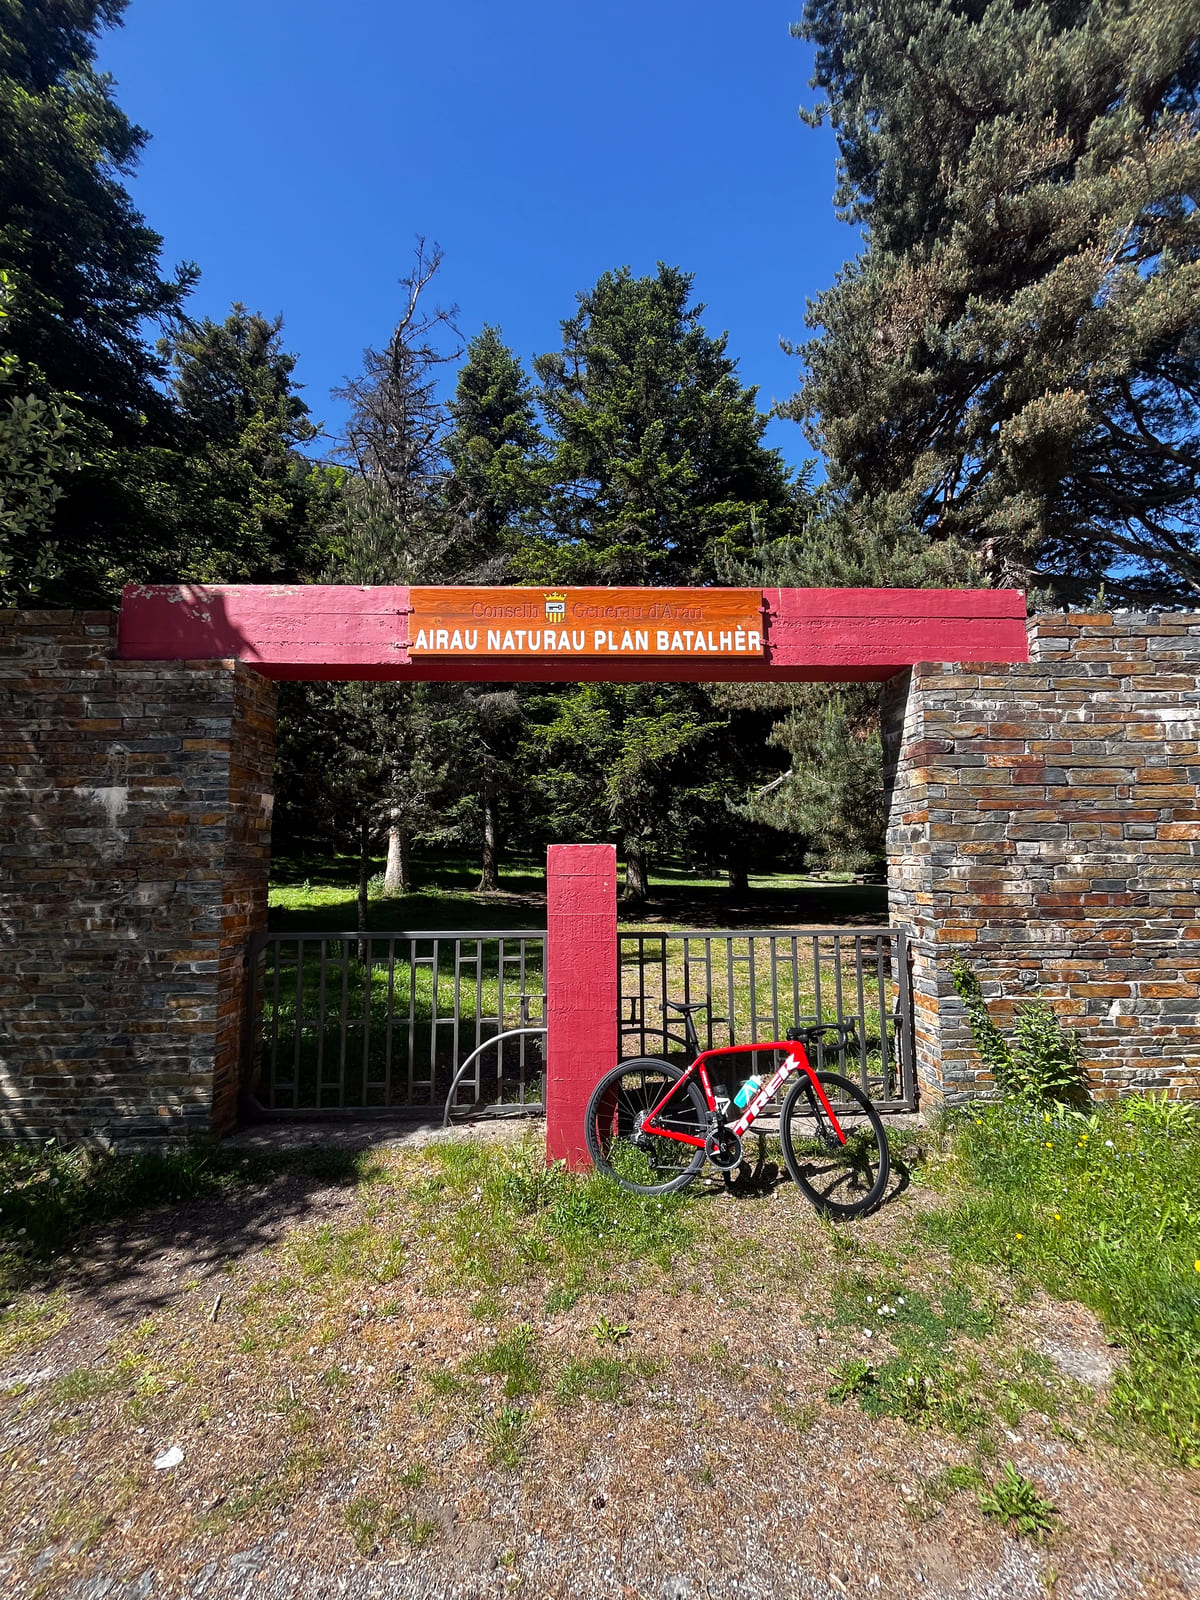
{"x": 321, "y": 894}
{"x": 446, "y": 1362}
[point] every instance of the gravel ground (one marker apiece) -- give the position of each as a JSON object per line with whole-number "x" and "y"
{"x": 725, "y": 1472}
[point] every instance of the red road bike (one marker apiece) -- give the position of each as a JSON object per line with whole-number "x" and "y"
{"x": 651, "y": 1125}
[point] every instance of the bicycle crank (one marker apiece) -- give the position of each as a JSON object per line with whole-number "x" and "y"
{"x": 724, "y": 1149}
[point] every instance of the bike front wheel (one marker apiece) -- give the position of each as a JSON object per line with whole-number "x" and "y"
{"x": 645, "y": 1163}
{"x": 841, "y": 1180}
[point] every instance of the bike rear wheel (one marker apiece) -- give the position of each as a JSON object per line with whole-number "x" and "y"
{"x": 645, "y": 1163}
{"x": 841, "y": 1180}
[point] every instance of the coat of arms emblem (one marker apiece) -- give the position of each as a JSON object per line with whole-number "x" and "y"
{"x": 556, "y": 607}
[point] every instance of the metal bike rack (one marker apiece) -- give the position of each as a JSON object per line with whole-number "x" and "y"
{"x": 511, "y": 1033}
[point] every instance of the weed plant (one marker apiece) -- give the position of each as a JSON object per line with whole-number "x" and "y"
{"x": 1014, "y": 1499}
{"x": 1104, "y": 1208}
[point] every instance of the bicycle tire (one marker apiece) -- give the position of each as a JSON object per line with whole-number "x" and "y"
{"x": 824, "y": 1169}
{"x": 608, "y": 1127}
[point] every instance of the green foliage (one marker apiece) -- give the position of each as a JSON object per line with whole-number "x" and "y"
{"x": 1010, "y": 363}
{"x": 657, "y": 459}
{"x": 630, "y": 760}
{"x": 577, "y": 1228}
{"x": 38, "y": 438}
{"x": 607, "y": 1379}
{"x": 495, "y": 450}
{"x": 832, "y": 793}
{"x": 1014, "y": 1499}
{"x": 1042, "y": 1062}
{"x": 246, "y": 504}
{"x": 1103, "y": 1209}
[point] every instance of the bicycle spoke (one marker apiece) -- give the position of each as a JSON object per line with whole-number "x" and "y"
{"x": 617, "y": 1140}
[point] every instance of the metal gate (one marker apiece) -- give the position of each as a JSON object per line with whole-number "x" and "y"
{"x": 379, "y": 1023}
{"x": 757, "y": 984}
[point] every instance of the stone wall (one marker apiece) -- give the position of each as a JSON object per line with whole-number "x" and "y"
{"x": 134, "y": 850}
{"x": 1045, "y": 823}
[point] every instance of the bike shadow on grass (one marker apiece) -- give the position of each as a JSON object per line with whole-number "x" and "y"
{"x": 754, "y": 1181}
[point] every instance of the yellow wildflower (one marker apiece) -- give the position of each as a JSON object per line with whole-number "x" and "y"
{"x": 1021, "y": 1236}
{"x": 1049, "y": 1146}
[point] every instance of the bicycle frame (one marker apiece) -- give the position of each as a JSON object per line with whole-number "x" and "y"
{"x": 796, "y": 1061}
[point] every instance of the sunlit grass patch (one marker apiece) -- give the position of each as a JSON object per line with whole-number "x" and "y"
{"x": 495, "y": 1217}
{"x": 506, "y": 1435}
{"x": 609, "y": 1379}
{"x": 30, "y": 1320}
{"x": 1104, "y": 1208}
{"x": 515, "y": 1357}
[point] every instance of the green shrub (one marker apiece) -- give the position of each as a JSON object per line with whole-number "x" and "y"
{"x": 1040, "y": 1063}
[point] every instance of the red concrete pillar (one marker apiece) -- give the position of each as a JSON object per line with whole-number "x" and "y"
{"x": 581, "y": 988}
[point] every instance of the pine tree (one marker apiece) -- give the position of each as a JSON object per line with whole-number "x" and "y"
{"x": 658, "y": 458}
{"x": 83, "y": 269}
{"x": 495, "y": 450}
{"x": 1012, "y": 361}
{"x": 249, "y": 507}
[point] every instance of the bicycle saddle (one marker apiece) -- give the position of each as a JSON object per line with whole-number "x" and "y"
{"x": 686, "y": 1006}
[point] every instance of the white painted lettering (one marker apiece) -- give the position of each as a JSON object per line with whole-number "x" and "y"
{"x": 508, "y": 640}
{"x": 627, "y": 640}
{"x": 662, "y": 639}
{"x": 578, "y": 640}
{"x": 700, "y": 644}
{"x": 442, "y": 637}
{"x": 550, "y": 640}
{"x": 641, "y": 638}
{"x": 599, "y": 636}
{"x": 420, "y": 642}
{"x": 456, "y": 640}
{"x": 726, "y": 641}
{"x": 493, "y": 638}
{"x": 471, "y": 635}
{"x": 521, "y": 638}
{"x": 755, "y": 640}
{"x": 676, "y": 640}
{"x": 739, "y": 640}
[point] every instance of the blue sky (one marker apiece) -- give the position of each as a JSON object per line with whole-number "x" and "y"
{"x": 298, "y": 147}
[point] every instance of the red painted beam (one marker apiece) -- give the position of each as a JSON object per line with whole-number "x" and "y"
{"x": 316, "y": 631}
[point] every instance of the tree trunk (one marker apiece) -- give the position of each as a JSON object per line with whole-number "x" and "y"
{"x": 397, "y": 875}
{"x": 490, "y": 875}
{"x": 637, "y": 873}
{"x": 364, "y": 875}
{"x": 739, "y": 873}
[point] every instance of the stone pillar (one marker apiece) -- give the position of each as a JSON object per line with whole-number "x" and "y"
{"x": 135, "y": 803}
{"x": 1044, "y": 823}
{"x": 582, "y": 1043}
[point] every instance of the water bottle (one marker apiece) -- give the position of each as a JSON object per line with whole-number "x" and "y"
{"x": 747, "y": 1092}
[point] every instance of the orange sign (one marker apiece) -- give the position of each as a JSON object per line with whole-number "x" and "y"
{"x": 697, "y": 623}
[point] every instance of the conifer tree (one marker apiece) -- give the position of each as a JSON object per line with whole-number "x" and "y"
{"x": 83, "y": 272}
{"x": 495, "y": 449}
{"x": 658, "y": 458}
{"x": 1013, "y": 361}
{"x": 249, "y": 507}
